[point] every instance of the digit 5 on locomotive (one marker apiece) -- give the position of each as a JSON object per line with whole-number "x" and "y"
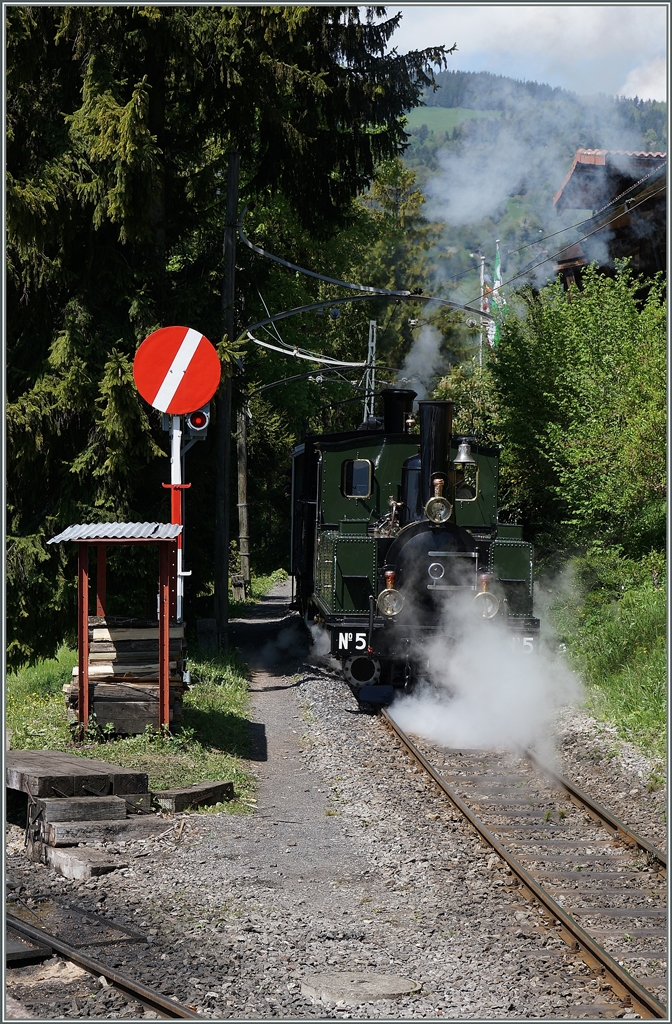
{"x": 391, "y": 539}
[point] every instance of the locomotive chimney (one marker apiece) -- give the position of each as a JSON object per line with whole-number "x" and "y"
{"x": 436, "y": 425}
{"x": 397, "y": 408}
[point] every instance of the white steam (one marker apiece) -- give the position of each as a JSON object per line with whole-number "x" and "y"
{"x": 482, "y": 690}
{"x": 525, "y": 147}
{"x": 320, "y": 652}
{"x": 423, "y": 362}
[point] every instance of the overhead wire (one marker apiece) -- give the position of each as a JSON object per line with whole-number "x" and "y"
{"x": 311, "y": 273}
{"x": 297, "y": 353}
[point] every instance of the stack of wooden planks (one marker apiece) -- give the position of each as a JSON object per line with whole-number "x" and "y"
{"x": 124, "y": 674}
{"x": 73, "y": 801}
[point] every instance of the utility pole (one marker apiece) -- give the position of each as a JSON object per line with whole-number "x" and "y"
{"x": 370, "y": 379}
{"x": 243, "y": 525}
{"x": 484, "y": 304}
{"x": 223, "y": 406}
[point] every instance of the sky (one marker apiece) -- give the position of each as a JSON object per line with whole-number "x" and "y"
{"x": 617, "y": 49}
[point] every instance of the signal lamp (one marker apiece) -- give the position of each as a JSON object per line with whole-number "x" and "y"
{"x": 197, "y": 422}
{"x": 390, "y": 602}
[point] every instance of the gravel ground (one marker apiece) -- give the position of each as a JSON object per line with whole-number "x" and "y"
{"x": 614, "y": 772}
{"x": 349, "y": 863}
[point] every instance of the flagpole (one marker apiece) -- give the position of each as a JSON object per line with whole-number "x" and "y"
{"x": 480, "y": 350}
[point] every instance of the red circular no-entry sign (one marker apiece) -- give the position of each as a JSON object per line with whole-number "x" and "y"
{"x": 177, "y": 370}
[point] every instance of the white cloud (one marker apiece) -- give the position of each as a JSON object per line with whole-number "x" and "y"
{"x": 588, "y": 48}
{"x": 649, "y": 81}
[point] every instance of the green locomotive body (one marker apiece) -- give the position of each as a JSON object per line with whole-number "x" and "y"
{"x": 384, "y": 560}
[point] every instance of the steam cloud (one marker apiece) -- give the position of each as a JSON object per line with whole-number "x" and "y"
{"x": 482, "y": 691}
{"x": 529, "y": 149}
{"x": 423, "y": 362}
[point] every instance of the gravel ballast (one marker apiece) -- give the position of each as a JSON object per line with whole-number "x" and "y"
{"x": 349, "y": 863}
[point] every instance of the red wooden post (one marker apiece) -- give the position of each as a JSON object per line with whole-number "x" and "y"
{"x": 101, "y": 578}
{"x": 164, "y": 633}
{"x": 83, "y": 631}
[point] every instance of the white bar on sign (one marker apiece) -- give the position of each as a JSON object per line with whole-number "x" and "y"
{"x": 177, "y": 370}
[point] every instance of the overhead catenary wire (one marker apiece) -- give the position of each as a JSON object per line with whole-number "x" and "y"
{"x": 298, "y": 354}
{"x": 311, "y": 273}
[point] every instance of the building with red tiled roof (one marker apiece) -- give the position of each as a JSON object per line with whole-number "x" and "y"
{"x": 626, "y": 193}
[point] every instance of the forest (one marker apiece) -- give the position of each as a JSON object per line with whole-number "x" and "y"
{"x": 119, "y": 125}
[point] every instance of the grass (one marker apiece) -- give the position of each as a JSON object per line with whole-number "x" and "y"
{"x": 444, "y": 119}
{"x": 618, "y": 645}
{"x": 260, "y": 586}
{"x": 211, "y": 744}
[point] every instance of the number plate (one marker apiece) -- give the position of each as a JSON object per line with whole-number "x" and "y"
{"x": 527, "y": 644}
{"x": 345, "y": 642}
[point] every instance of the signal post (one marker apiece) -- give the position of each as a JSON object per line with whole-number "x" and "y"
{"x": 177, "y": 370}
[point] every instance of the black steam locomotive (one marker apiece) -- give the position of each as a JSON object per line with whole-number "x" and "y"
{"x": 392, "y": 538}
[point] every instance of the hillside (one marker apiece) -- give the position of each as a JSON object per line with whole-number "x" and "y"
{"x": 490, "y": 152}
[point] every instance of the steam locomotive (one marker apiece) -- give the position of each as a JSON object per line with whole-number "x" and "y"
{"x": 391, "y": 539}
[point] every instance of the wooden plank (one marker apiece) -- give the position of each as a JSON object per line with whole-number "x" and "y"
{"x": 103, "y": 633}
{"x": 81, "y": 808}
{"x": 54, "y": 773}
{"x": 69, "y": 833}
{"x": 175, "y": 680}
{"x": 202, "y": 794}
{"x": 61, "y": 782}
{"x": 127, "y": 716}
{"x": 126, "y": 658}
{"x": 140, "y": 803}
{"x": 131, "y": 689}
{"x": 125, "y": 621}
{"x": 129, "y": 648}
{"x": 79, "y": 863}
{"x": 98, "y": 670}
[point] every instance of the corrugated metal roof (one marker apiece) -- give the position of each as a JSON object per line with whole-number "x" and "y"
{"x": 119, "y": 531}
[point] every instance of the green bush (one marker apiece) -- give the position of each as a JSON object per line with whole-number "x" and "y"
{"x": 580, "y": 382}
{"x": 614, "y": 625}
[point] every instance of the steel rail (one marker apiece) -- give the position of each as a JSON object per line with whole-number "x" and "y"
{"x": 154, "y": 1000}
{"x": 621, "y": 831}
{"x": 623, "y": 984}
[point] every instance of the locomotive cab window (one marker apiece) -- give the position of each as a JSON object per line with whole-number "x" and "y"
{"x": 356, "y": 478}
{"x": 466, "y": 482}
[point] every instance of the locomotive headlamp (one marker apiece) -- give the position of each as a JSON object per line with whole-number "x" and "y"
{"x": 438, "y": 509}
{"x": 464, "y": 456}
{"x": 486, "y": 604}
{"x": 390, "y": 602}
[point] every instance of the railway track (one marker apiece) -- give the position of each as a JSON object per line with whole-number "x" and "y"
{"x": 599, "y": 884}
{"x": 148, "y": 997}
